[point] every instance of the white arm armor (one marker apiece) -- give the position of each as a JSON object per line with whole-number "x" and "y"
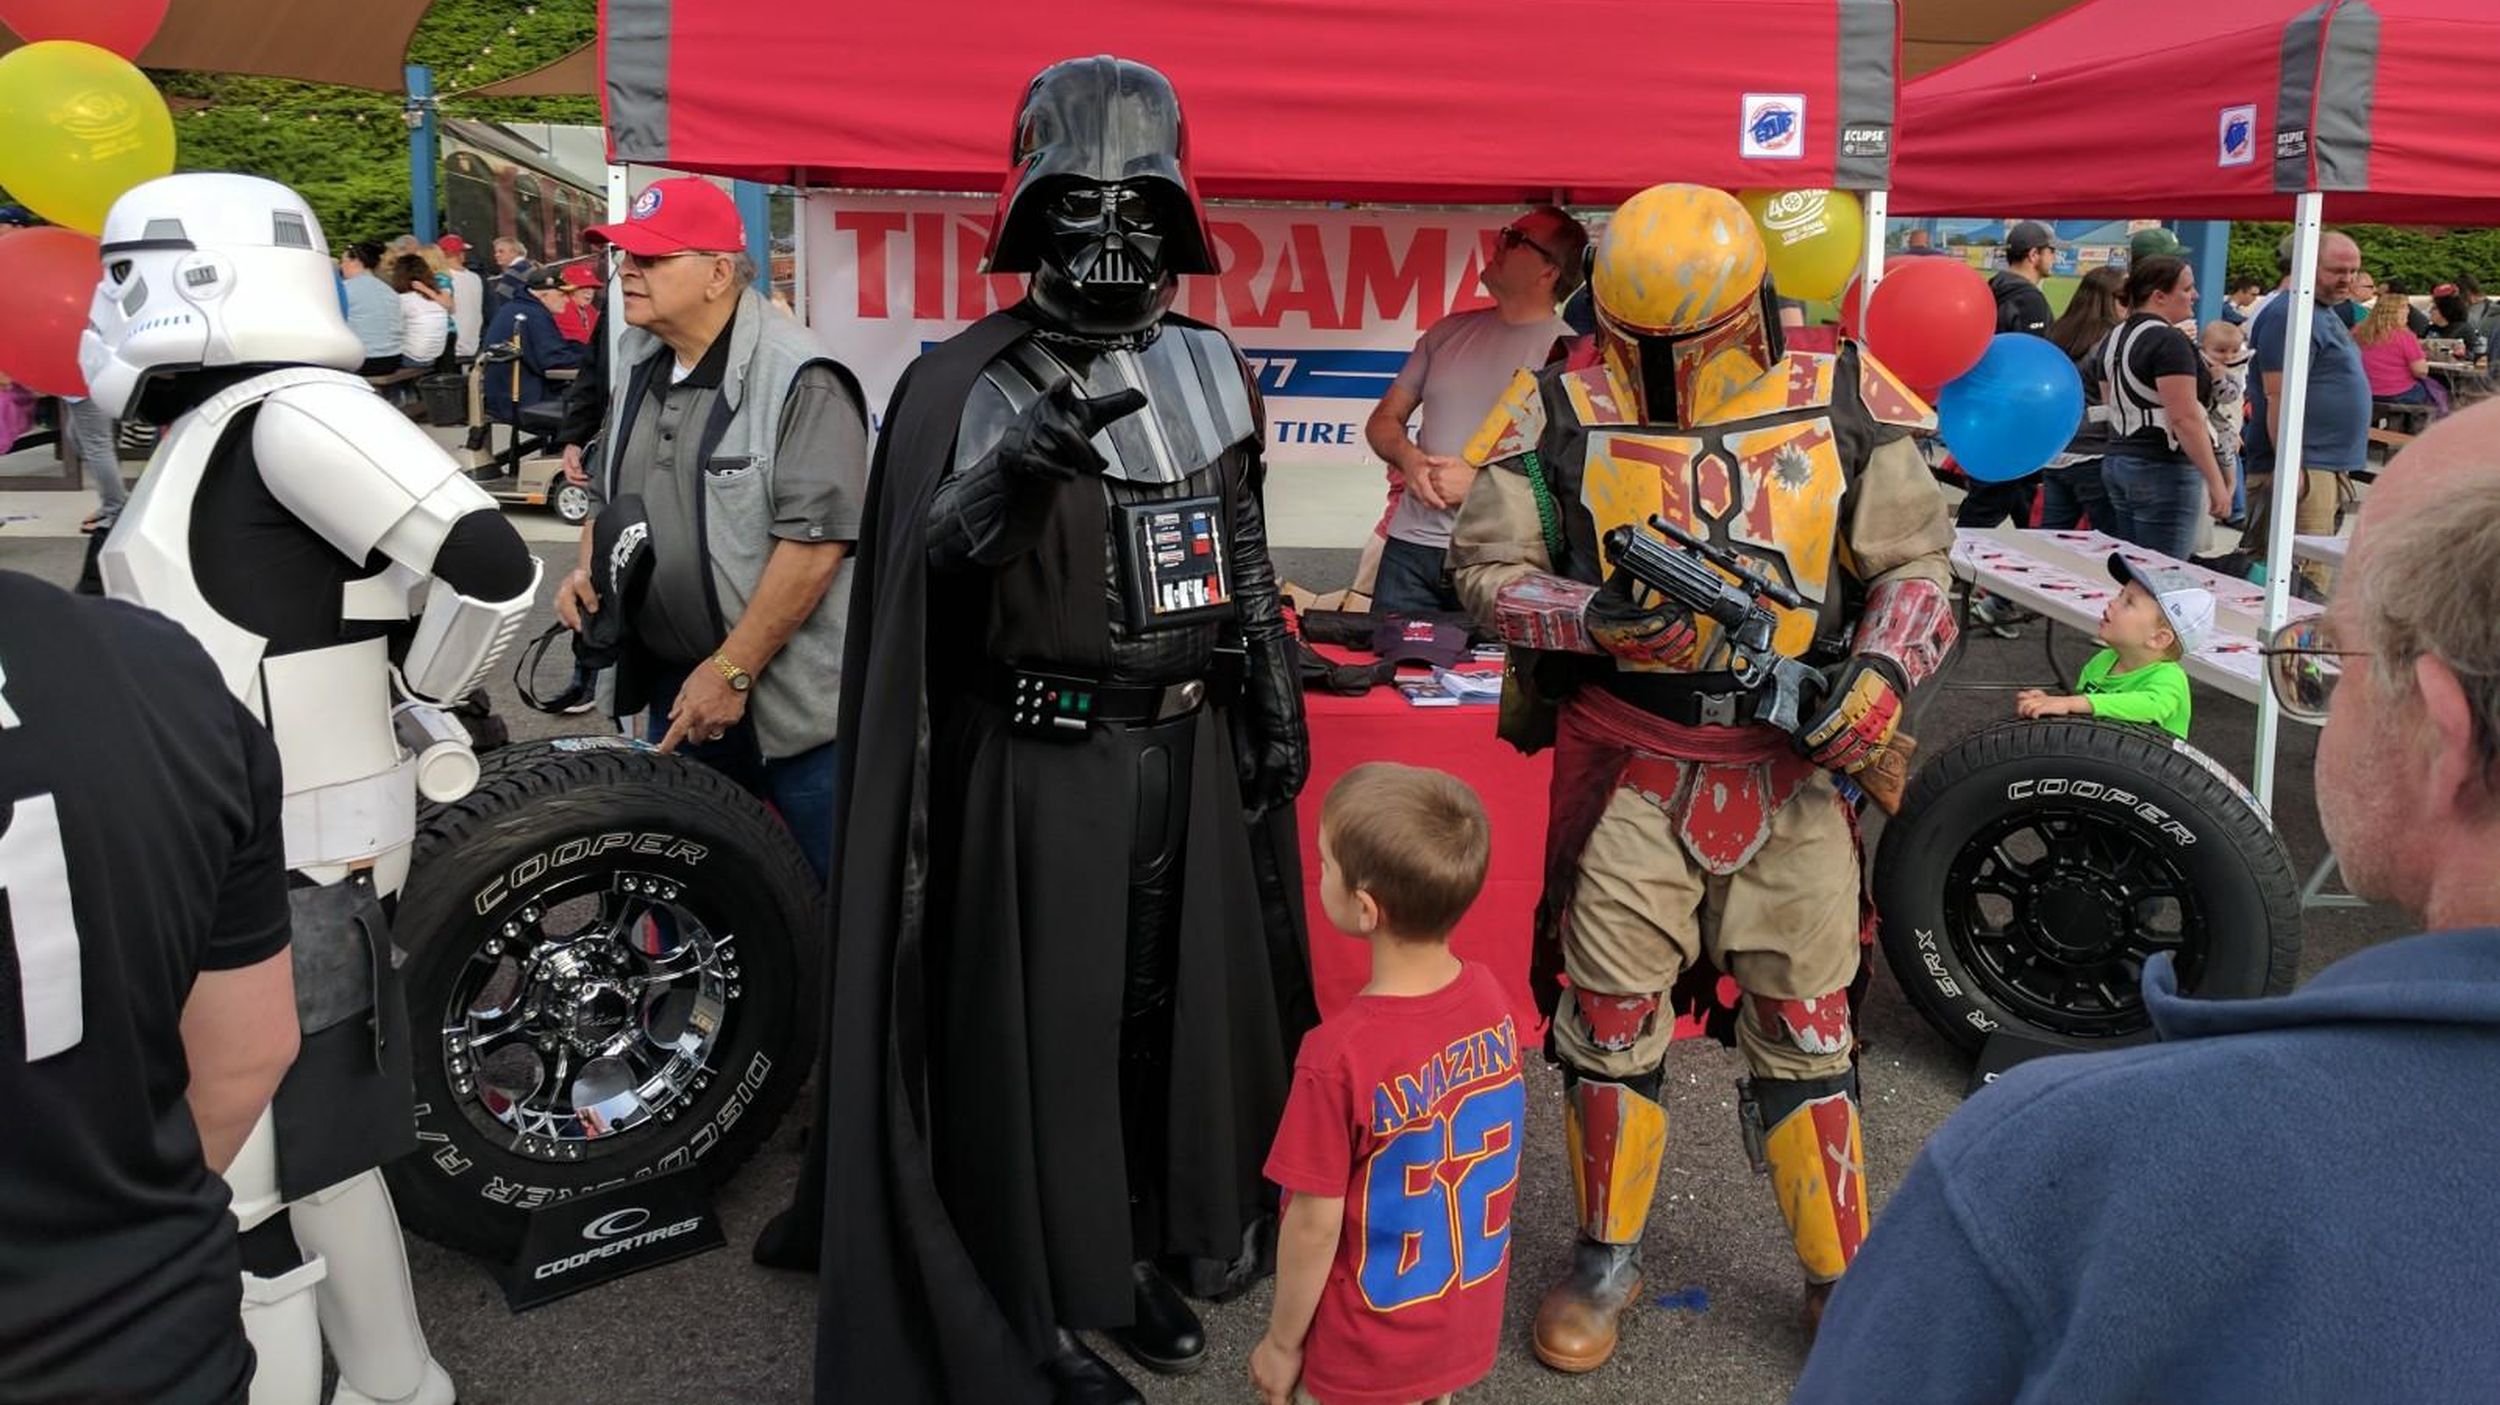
{"x": 365, "y": 478}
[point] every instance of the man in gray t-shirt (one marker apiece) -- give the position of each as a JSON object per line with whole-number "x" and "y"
{"x": 1457, "y": 372}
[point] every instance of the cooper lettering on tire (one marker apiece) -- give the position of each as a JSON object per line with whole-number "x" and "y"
{"x": 613, "y": 965}
{"x": 2036, "y": 866}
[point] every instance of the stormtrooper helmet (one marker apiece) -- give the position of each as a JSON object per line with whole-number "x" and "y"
{"x": 210, "y": 270}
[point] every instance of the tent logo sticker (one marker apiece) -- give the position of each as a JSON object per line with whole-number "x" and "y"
{"x": 2237, "y": 136}
{"x": 1774, "y": 127}
{"x": 2292, "y": 145}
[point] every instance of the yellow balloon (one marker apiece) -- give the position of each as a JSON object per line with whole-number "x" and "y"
{"x": 1815, "y": 239}
{"x": 78, "y": 126}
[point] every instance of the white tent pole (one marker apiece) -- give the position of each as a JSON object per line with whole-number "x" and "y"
{"x": 2306, "y": 231}
{"x": 620, "y": 202}
{"x": 1878, "y": 210}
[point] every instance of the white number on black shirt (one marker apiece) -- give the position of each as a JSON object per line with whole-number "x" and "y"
{"x": 35, "y": 900}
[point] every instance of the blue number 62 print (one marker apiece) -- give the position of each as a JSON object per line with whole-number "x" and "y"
{"x": 1429, "y": 1213}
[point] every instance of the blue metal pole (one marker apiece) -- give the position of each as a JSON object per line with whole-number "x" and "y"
{"x": 755, "y": 211}
{"x": 423, "y": 153}
{"x": 2211, "y": 239}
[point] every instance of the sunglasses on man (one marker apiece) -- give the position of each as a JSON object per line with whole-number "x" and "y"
{"x": 1514, "y": 237}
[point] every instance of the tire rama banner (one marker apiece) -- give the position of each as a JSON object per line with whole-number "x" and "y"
{"x": 1324, "y": 303}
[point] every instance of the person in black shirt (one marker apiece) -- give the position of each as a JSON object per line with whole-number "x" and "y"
{"x": 2161, "y": 473}
{"x": 2030, "y": 256}
{"x": 147, "y": 1000}
{"x": 2030, "y": 253}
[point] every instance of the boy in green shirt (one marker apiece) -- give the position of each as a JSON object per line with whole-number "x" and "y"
{"x": 2154, "y": 621}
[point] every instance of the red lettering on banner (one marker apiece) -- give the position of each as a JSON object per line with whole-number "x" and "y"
{"x": 1303, "y": 284}
{"x": 1241, "y": 258}
{"x": 928, "y": 267}
{"x": 1469, "y": 294}
{"x": 870, "y": 227}
{"x": 1372, "y": 280}
{"x": 975, "y": 293}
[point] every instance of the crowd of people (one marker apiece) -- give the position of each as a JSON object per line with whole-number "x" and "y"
{"x": 1046, "y": 759}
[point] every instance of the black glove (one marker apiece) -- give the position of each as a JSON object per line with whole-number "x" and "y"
{"x": 1275, "y": 743}
{"x": 1052, "y": 441}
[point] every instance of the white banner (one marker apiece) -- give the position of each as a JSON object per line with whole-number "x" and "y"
{"x": 1324, "y": 303}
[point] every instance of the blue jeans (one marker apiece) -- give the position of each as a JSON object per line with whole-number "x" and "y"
{"x": 799, "y": 788}
{"x": 2158, "y": 504}
{"x": 1413, "y": 579}
{"x": 2072, "y": 496}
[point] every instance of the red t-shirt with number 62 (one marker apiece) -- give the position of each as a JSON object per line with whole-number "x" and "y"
{"x": 1412, "y": 1108}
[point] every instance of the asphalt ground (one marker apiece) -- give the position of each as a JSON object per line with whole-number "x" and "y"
{"x": 716, "y": 1328}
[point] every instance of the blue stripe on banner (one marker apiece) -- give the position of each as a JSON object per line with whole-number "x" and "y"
{"x": 1331, "y": 373}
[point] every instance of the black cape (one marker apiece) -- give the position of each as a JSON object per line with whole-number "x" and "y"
{"x": 905, "y": 1315}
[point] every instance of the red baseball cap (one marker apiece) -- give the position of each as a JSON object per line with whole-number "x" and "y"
{"x": 580, "y": 275}
{"x": 683, "y": 214}
{"x": 452, "y": 244}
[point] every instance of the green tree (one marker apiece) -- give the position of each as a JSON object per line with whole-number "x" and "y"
{"x": 347, "y": 149}
{"x": 2420, "y": 259}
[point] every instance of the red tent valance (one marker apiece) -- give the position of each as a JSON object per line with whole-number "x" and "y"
{"x": 1428, "y": 101}
{"x": 2223, "y": 109}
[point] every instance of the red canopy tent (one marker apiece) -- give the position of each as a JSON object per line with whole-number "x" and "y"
{"x": 2115, "y": 106}
{"x": 1416, "y": 101}
{"x": 2374, "y": 110}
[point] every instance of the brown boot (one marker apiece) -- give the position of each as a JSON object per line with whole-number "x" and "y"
{"x": 1615, "y": 1135}
{"x": 1577, "y": 1323}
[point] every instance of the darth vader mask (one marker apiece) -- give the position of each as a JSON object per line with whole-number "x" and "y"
{"x": 1099, "y": 207}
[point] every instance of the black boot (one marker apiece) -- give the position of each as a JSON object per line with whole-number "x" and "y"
{"x": 1166, "y": 1338}
{"x": 1079, "y": 1377}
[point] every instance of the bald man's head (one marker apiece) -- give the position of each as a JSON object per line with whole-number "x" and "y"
{"x": 2409, "y": 764}
{"x": 2339, "y": 259}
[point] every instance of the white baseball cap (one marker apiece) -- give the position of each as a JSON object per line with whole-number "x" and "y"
{"x": 2188, "y": 608}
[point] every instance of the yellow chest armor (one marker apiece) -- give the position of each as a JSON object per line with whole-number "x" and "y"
{"x": 1761, "y": 470}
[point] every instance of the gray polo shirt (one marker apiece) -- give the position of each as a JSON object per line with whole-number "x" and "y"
{"x": 1459, "y": 369}
{"x": 819, "y": 481}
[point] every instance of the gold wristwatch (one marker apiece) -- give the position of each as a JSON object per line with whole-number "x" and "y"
{"x": 739, "y": 679}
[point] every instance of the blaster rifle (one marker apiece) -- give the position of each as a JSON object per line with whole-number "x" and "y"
{"x": 1678, "y": 565}
{"x": 1686, "y": 569}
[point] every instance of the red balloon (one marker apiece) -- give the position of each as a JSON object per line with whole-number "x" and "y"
{"x": 47, "y": 283}
{"x": 1930, "y": 319}
{"x": 123, "y": 26}
{"x": 1857, "y": 285}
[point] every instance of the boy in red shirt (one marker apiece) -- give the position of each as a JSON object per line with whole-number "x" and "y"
{"x": 1399, "y": 1151}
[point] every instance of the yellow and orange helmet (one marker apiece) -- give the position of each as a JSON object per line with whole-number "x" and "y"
{"x": 1677, "y": 282}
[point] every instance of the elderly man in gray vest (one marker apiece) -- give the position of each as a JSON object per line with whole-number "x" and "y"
{"x": 746, "y": 448}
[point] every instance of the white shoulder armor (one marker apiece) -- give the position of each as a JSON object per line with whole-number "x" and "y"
{"x": 360, "y": 473}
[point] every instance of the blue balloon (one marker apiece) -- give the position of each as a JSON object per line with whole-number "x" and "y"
{"x": 2014, "y": 411}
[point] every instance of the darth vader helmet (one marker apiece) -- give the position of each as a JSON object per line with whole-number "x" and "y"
{"x": 1099, "y": 207}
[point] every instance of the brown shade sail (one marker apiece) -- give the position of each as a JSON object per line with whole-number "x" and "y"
{"x": 574, "y": 75}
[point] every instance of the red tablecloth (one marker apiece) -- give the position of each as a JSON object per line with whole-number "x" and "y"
{"x": 1382, "y": 725}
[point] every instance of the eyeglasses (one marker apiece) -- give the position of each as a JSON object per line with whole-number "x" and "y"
{"x": 2303, "y": 665}
{"x": 613, "y": 258}
{"x": 1513, "y": 237}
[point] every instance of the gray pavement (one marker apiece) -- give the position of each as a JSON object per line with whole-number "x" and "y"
{"x": 717, "y": 1329}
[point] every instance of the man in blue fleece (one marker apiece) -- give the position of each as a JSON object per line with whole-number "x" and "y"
{"x": 2283, "y": 1200}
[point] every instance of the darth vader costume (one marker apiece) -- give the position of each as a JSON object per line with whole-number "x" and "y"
{"x": 1068, "y": 965}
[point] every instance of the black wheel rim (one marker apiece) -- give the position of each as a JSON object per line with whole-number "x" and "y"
{"x": 2055, "y": 911}
{"x": 590, "y": 1010}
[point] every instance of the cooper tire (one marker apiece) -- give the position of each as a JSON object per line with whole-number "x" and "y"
{"x": 590, "y": 900}
{"x": 2035, "y": 865}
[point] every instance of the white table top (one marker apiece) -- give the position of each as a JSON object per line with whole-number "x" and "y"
{"x": 2065, "y": 576}
{"x": 2326, "y": 551}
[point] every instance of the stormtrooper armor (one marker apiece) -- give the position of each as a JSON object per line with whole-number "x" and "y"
{"x": 297, "y": 525}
